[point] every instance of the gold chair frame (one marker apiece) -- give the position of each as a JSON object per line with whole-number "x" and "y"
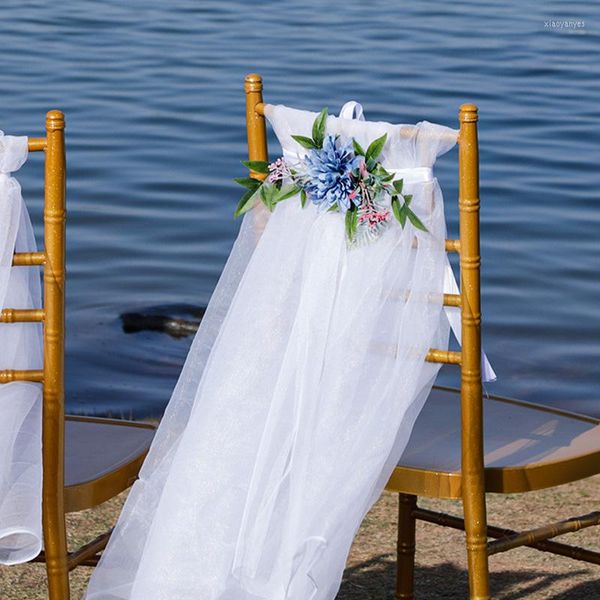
{"x": 59, "y": 498}
{"x": 473, "y": 480}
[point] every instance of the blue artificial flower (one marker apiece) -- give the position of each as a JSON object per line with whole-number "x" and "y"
{"x": 328, "y": 173}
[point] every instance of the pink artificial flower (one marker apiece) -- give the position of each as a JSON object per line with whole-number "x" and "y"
{"x": 374, "y": 218}
{"x": 363, "y": 169}
{"x": 278, "y": 170}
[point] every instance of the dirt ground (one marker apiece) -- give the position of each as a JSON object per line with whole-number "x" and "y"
{"x": 441, "y": 567}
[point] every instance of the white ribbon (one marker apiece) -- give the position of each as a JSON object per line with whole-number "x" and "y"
{"x": 453, "y": 314}
{"x": 352, "y": 110}
{"x": 414, "y": 174}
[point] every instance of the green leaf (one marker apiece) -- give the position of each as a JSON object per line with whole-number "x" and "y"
{"x": 318, "y": 128}
{"x": 371, "y": 164}
{"x": 396, "y": 207}
{"x": 398, "y": 185}
{"x": 258, "y": 166}
{"x": 382, "y": 174}
{"x": 358, "y": 149}
{"x": 248, "y": 182}
{"x": 247, "y": 202}
{"x": 415, "y": 220}
{"x": 303, "y": 198}
{"x": 286, "y": 192}
{"x": 351, "y": 223}
{"x": 376, "y": 146}
{"x": 407, "y": 199}
{"x": 267, "y": 193}
{"x": 403, "y": 210}
{"x": 399, "y": 211}
{"x": 305, "y": 142}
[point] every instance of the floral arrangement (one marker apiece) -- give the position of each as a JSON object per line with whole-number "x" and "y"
{"x": 336, "y": 176}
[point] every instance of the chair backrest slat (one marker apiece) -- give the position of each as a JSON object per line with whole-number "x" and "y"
{"x": 36, "y": 144}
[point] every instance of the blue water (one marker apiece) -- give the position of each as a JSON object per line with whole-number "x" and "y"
{"x": 153, "y": 95}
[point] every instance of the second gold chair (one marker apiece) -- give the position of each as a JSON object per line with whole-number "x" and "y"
{"x": 462, "y": 446}
{"x": 86, "y": 460}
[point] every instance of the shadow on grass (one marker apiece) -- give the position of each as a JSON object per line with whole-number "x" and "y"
{"x": 375, "y": 580}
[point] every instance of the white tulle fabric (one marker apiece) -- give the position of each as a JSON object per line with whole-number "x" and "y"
{"x": 20, "y": 348}
{"x": 296, "y": 400}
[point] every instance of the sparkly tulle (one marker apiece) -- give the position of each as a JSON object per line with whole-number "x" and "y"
{"x": 297, "y": 398}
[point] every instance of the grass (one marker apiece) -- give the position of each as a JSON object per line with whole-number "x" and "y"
{"x": 441, "y": 566}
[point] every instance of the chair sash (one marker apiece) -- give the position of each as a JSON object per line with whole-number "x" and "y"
{"x": 20, "y": 348}
{"x": 297, "y": 398}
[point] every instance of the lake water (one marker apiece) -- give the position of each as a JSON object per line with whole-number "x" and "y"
{"x": 153, "y": 94}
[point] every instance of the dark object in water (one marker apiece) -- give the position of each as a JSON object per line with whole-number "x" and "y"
{"x": 166, "y": 319}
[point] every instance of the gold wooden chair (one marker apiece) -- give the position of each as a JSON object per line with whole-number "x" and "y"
{"x": 86, "y": 460}
{"x": 463, "y": 446}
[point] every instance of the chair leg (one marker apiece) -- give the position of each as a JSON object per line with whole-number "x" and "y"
{"x": 55, "y": 549}
{"x": 405, "y": 566}
{"x": 477, "y": 555}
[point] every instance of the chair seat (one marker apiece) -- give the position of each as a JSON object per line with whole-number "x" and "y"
{"x": 102, "y": 458}
{"x": 527, "y": 447}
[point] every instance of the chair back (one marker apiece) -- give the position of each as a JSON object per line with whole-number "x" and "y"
{"x": 52, "y": 260}
{"x": 469, "y": 299}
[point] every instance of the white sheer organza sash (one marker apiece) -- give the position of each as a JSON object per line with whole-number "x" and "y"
{"x": 297, "y": 398}
{"x": 20, "y": 348}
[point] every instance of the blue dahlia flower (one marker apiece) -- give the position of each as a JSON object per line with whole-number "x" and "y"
{"x": 328, "y": 173}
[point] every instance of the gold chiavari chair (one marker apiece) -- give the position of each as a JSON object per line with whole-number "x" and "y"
{"x": 462, "y": 446}
{"x": 86, "y": 460}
